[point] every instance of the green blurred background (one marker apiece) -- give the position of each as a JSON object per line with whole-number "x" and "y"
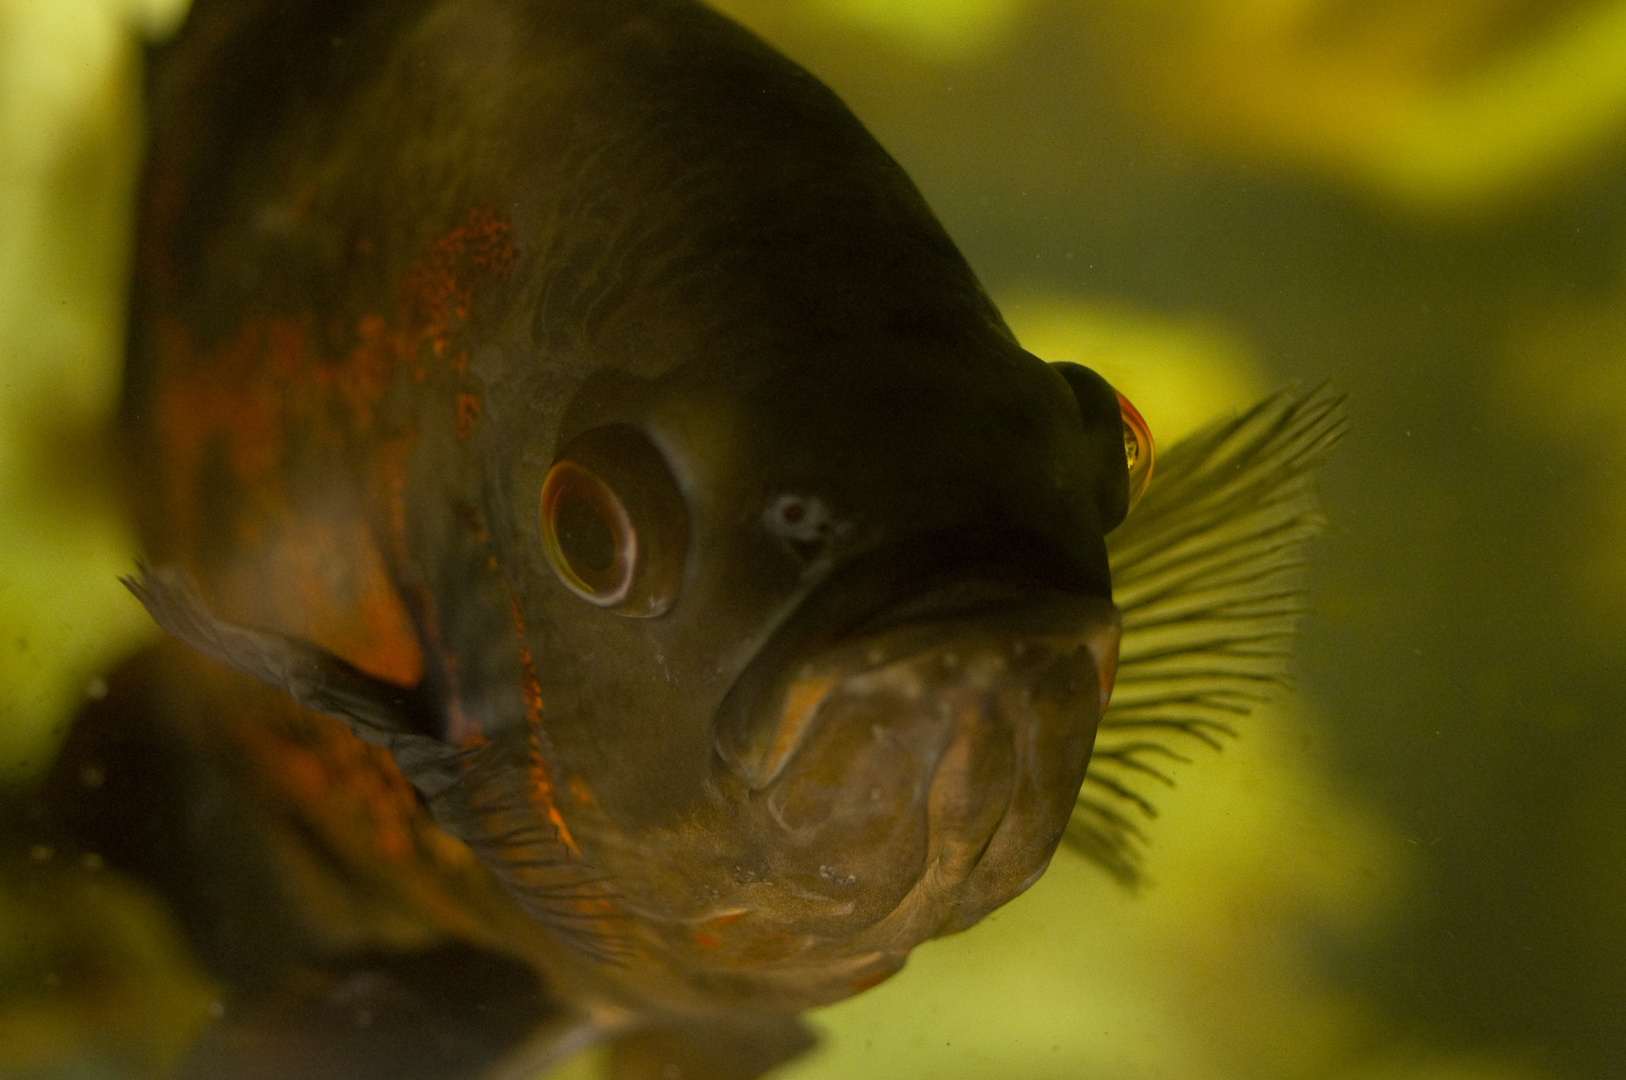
{"x": 1412, "y": 869}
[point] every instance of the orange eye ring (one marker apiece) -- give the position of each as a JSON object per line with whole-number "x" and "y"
{"x": 1138, "y": 450}
{"x": 615, "y": 524}
{"x": 588, "y": 534}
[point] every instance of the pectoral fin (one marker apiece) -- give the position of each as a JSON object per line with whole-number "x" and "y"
{"x": 378, "y": 711}
{"x": 1208, "y": 575}
{"x": 483, "y": 795}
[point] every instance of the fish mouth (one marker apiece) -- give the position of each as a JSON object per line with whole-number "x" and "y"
{"x": 919, "y": 770}
{"x": 960, "y": 636}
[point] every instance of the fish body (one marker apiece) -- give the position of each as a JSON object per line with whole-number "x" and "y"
{"x": 631, "y": 571}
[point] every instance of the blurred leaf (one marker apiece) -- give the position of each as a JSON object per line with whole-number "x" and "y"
{"x": 95, "y": 979}
{"x": 1451, "y": 107}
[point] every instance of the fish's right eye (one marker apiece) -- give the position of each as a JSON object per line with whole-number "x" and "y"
{"x": 589, "y": 537}
{"x": 614, "y": 523}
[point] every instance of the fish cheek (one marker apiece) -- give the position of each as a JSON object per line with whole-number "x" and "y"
{"x": 634, "y": 737}
{"x": 620, "y": 706}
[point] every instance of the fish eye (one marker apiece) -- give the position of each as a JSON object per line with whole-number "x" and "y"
{"x": 1094, "y": 396}
{"x": 614, "y": 524}
{"x": 590, "y": 539}
{"x": 1138, "y": 450}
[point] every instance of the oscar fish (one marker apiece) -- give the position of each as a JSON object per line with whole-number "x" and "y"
{"x": 626, "y": 584}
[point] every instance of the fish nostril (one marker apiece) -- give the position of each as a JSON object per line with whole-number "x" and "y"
{"x": 798, "y": 517}
{"x": 805, "y": 523}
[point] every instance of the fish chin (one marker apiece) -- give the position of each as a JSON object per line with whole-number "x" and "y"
{"x": 941, "y": 764}
{"x": 928, "y": 773}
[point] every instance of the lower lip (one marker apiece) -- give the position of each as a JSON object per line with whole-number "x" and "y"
{"x": 976, "y": 745}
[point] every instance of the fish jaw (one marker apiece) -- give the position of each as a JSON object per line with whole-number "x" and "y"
{"x": 939, "y": 768}
{"x": 929, "y": 779}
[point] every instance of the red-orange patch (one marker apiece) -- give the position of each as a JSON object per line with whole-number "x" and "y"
{"x": 541, "y": 777}
{"x": 869, "y": 981}
{"x": 236, "y": 420}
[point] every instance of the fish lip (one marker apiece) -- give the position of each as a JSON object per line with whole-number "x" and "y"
{"x": 757, "y": 748}
{"x": 972, "y": 727}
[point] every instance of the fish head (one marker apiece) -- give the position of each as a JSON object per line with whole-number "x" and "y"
{"x": 830, "y": 640}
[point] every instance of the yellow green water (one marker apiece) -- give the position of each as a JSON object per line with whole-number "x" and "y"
{"x": 1413, "y": 869}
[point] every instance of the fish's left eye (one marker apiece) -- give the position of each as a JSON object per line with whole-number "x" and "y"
{"x": 1108, "y": 417}
{"x": 1138, "y": 450}
{"x": 614, "y": 524}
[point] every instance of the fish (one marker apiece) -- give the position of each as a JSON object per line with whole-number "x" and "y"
{"x": 625, "y": 584}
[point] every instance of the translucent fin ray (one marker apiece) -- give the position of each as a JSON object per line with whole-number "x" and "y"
{"x": 1208, "y": 573}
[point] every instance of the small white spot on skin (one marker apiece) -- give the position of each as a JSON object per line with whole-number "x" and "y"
{"x": 828, "y": 873}
{"x": 802, "y": 518}
{"x": 91, "y": 775}
{"x": 41, "y": 853}
{"x": 904, "y": 680}
{"x": 216, "y": 1009}
{"x": 96, "y": 689}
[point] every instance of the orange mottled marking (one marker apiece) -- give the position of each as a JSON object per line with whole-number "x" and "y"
{"x": 707, "y": 941}
{"x": 541, "y": 778}
{"x": 259, "y": 424}
{"x": 581, "y": 792}
{"x": 224, "y": 405}
{"x": 389, "y": 480}
{"x": 381, "y": 862}
{"x": 390, "y": 469}
{"x": 334, "y": 590}
{"x": 360, "y": 380}
{"x": 356, "y": 787}
{"x": 439, "y": 289}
